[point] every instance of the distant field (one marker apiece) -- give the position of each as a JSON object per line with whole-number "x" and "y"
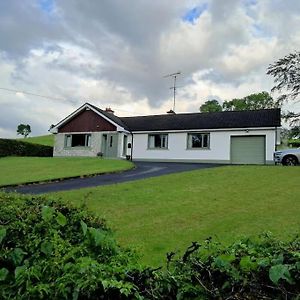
{"x": 47, "y": 140}
{"x": 167, "y": 213}
{"x": 17, "y": 170}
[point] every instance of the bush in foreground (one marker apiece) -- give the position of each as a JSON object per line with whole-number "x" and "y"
{"x": 10, "y": 147}
{"x": 49, "y": 250}
{"x": 257, "y": 268}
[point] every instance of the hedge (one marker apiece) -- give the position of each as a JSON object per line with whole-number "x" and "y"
{"x": 294, "y": 143}
{"x": 9, "y": 147}
{"x": 50, "y": 250}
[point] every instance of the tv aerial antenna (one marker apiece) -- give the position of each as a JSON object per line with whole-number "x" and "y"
{"x": 174, "y": 88}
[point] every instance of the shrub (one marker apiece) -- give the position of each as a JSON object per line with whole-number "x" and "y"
{"x": 294, "y": 143}
{"x": 52, "y": 251}
{"x": 258, "y": 268}
{"x": 10, "y": 147}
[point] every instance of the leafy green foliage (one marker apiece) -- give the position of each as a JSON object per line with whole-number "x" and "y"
{"x": 294, "y": 143}
{"x": 286, "y": 74}
{"x": 50, "y": 250}
{"x": 53, "y": 251}
{"x": 10, "y": 147}
{"x": 24, "y": 129}
{"x": 211, "y": 106}
{"x": 261, "y": 100}
{"x": 256, "y": 268}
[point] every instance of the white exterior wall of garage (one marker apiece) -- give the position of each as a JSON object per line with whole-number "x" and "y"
{"x": 218, "y": 152}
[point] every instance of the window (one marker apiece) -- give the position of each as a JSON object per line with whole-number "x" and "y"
{"x": 78, "y": 140}
{"x": 158, "y": 141}
{"x": 198, "y": 141}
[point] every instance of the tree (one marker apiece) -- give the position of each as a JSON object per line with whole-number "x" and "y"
{"x": 294, "y": 132}
{"x": 24, "y": 129}
{"x": 286, "y": 73}
{"x": 211, "y": 106}
{"x": 262, "y": 100}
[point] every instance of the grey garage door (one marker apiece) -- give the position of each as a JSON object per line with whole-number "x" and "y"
{"x": 248, "y": 150}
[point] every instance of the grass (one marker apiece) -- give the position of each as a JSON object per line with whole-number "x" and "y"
{"x": 47, "y": 140}
{"x": 167, "y": 213}
{"x": 17, "y": 170}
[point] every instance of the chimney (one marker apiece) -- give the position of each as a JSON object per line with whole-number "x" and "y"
{"x": 109, "y": 110}
{"x": 171, "y": 112}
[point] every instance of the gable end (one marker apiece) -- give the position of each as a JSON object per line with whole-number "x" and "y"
{"x": 86, "y": 121}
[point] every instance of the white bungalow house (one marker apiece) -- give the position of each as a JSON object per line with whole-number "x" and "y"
{"x": 232, "y": 137}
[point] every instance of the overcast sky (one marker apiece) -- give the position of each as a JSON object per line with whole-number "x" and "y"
{"x": 115, "y": 53}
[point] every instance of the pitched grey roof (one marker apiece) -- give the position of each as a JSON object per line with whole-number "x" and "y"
{"x": 111, "y": 116}
{"x": 186, "y": 121}
{"x": 217, "y": 120}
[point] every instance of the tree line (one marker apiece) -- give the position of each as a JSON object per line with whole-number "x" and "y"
{"x": 262, "y": 100}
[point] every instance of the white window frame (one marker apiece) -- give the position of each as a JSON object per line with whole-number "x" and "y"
{"x": 163, "y": 143}
{"x": 201, "y": 147}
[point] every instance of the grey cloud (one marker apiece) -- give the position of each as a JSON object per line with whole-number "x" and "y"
{"x": 23, "y": 27}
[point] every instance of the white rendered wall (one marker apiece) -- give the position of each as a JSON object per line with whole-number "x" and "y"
{"x": 177, "y": 146}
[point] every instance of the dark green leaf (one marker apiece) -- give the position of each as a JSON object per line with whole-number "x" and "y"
{"x": 17, "y": 256}
{"x": 2, "y": 234}
{"x": 97, "y": 235}
{"x": 224, "y": 260}
{"x": 19, "y": 271}
{"x": 280, "y": 272}
{"x": 83, "y": 227}
{"x": 3, "y": 274}
{"x": 278, "y": 260}
{"x": 247, "y": 264}
{"x": 47, "y": 213}
{"x": 46, "y": 247}
{"x": 75, "y": 294}
{"x": 61, "y": 219}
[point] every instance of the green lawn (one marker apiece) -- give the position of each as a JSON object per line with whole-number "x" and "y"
{"x": 47, "y": 140}
{"x": 166, "y": 213}
{"x": 16, "y": 170}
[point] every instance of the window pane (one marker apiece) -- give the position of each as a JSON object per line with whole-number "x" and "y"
{"x": 163, "y": 141}
{"x": 151, "y": 141}
{"x": 78, "y": 140}
{"x": 68, "y": 141}
{"x": 88, "y": 140}
{"x": 158, "y": 141}
{"x": 198, "y": 140}
{"x": 205, "y": 140}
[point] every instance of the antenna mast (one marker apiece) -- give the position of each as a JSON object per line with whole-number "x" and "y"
{"x": 174, "y": 75}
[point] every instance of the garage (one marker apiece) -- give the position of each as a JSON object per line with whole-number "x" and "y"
{"x": 249, "y": 150}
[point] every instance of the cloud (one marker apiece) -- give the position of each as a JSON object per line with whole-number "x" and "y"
{"x": 115, "y": 53}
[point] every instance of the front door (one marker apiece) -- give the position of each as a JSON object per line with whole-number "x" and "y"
{"x": 110, "y": 145}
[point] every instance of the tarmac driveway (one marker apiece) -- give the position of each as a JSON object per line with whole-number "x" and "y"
{"x": 142, "y": 170}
